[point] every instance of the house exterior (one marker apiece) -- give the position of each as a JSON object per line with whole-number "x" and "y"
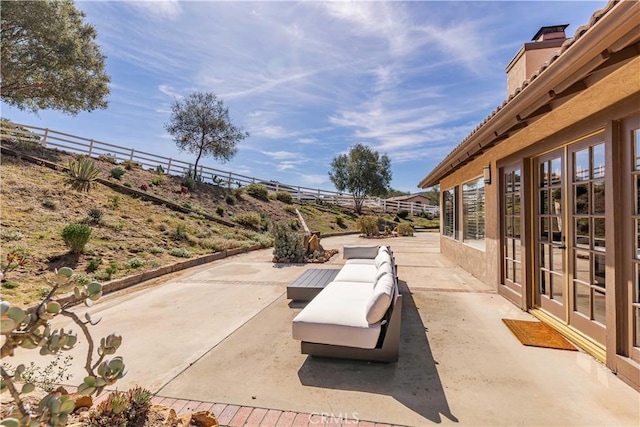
{"x": 418, "y": 199}
{"x": 542, "y": 199}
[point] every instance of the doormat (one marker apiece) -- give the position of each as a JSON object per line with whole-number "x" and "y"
{"x": 538, "y": 334}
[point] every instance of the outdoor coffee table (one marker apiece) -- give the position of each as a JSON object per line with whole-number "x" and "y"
{"x": 310, "y": 283}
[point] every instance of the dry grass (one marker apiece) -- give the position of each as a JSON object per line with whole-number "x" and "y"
{"x": 133, "y": 235}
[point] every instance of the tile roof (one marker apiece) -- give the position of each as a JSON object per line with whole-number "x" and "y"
{"x": 563, "y": 48}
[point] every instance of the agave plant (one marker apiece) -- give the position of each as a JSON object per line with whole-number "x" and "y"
{"x": 82, "y": 174}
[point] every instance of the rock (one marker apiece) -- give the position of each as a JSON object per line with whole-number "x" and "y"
{"x": 81, "y": 401}
{"x": 305, "y": 243}
{"x": 314, "y": 244}
{"x": 204, "y": 419}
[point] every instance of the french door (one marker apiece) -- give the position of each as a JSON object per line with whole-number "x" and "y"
{"x": 569, "y": 225}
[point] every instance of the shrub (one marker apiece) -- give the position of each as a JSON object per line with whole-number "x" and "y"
{"x": 121, "y": 409}
{"x": 127, "y": 184}
{"x": 189, "y": 182}
{"x": 284, "y": 197}
{"x": 258, "y": 191}
{"x": 220, "y": 211}
{"x": 50, "y": 204}
{"x": 157, "y": 181}
{"x": 159, "y": 169}
{"x": 10, "y": 285}
{"x": 368, "y": 225}
{"x": 32, "y": 330}
{"x": 230, "y": 199}
{"x": 109, "y": 158}
{"x": 115, "y": 202}
{"x": 134, "y": 263}
{"x": 250, "y": 218}
{"x": 14, "y": 259}
{"x": 94, "y": 264}
{"x": 156, "y": 250}
{"x": 144, "y": 187}
{"x": 238, "y": 192}
{"x": 404, "y": 229}
{"x": 180, "y": 253}
{"x": 82, "y": 174}
{"x": 291, "y": 209}
{"x": 340, "y": 222}
{"x": 76, "y": 236}
{"x": 95, "y": 215}
{"x": 287, "y": 245}
{"x": 10, "y": 235}
{"x": 130, "y": 164}
{"x": 403, "y": 214}
{"x": 180, "y": 233}
{"x": 117, "y": 173}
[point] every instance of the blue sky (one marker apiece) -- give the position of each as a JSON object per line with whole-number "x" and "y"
{"x": 308, "y": 80}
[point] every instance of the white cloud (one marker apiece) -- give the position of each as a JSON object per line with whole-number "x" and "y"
{"x": 169, "y": 91}
{"x": 167, "y": 9}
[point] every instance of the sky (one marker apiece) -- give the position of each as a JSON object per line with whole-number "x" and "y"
{"x": 309, "y": 80}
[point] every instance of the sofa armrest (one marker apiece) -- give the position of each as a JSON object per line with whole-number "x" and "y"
{"x": 361, "y": 252}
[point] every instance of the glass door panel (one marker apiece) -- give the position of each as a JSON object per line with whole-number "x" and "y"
{"x": 587, "y": 251}
{"x": 550, "y": 290}
{"x": 510, "y": 234}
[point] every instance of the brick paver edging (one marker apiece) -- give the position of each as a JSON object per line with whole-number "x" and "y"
{"x": 230, "y": 415}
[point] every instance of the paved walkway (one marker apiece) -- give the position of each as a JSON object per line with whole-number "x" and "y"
{"x": 219, "y": 335}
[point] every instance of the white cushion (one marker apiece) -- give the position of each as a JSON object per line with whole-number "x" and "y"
{"x": 384, "y": 249}
{"x": 380, "y": 299}
{"x": 385, "y": 268}
{"x": 367, "y": 261}
{"x": 336, "y": 316}
{"x": 358, "y": 273}
{"x": 365, "y": 252}
{"x": 382, "y": 257}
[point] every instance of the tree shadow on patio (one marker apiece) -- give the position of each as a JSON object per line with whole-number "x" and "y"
{"x": 412, "y": 381}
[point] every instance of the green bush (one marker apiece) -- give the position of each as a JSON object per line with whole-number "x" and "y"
{"x": 180, "y": 253}
{"x": 82, "y": 174}
{"x": 404, "y": 229}
{"x": 340, "y": 222}
{"x": 156, "y": 250}
{"x": 220, "y": 211}
{"x": 368, "y": 225}
{"x": 288, "y": 246}
{"x": 117, "y": 173}
{"x": 180, "y": 233}
{"x": 230, "y": 199}
{"x": 109, "y": 158}
{"x": 76, "y": 236}
{"x": 157, "y": 181}
{"x": 284, "y": 197}
{"x": 258, "y": 191}
{"x": 250, "y": 218}
{"x": 95, "y": 215}
{"x": 403, "y": 214}
{"x": 94, "y": 264}
{"x": 134, "y": 263}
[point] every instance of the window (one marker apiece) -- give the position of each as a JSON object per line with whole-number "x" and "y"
{"x": 449, "y": 217}
{"x": 473, "y": 212}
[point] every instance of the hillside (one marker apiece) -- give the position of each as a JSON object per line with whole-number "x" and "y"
{"x": 129, "y": 234}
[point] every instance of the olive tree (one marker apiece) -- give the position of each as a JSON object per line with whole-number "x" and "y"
{"x": 200, "y": 124}
{"x": 49, "y": 58}
{"x": 362, "y": 172}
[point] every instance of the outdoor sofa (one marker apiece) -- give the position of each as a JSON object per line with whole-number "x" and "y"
{"x": 357, "y": 316}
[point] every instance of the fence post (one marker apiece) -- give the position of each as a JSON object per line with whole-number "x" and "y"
{"x": 412, "y": 203}
{"x": 169, "y": 166}
{"x": 90, "y": 148}
{"x": 229, "y": 182}
{"x": 44, "y": 137}
{"x": 299, "y": 197}
{"x": 201, "y": 171}
{"x": 131, "y": 156}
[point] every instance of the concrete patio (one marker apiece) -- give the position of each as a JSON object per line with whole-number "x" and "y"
{"x": 221, "y": 333}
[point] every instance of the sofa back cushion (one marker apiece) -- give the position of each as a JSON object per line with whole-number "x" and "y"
{"x": 385, "y": 268}
{"x": 364, "y": 252}
{"x": 382, "y": 257}
{"x": 380, "y": 298}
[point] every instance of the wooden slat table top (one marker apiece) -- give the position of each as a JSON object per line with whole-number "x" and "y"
{"x": 315, "y": 278}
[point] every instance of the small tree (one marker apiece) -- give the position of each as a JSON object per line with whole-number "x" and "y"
{"x": 362, "y": 172}
{"x": 49, "y": 58}
{"x": 31, "y": 329}
{"x": 201, "y": 125}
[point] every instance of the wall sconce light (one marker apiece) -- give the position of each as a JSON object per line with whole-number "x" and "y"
{"x": 486, "y": 171}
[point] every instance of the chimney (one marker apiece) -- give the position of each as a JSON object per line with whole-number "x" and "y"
{"x": 532, "y": 55}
